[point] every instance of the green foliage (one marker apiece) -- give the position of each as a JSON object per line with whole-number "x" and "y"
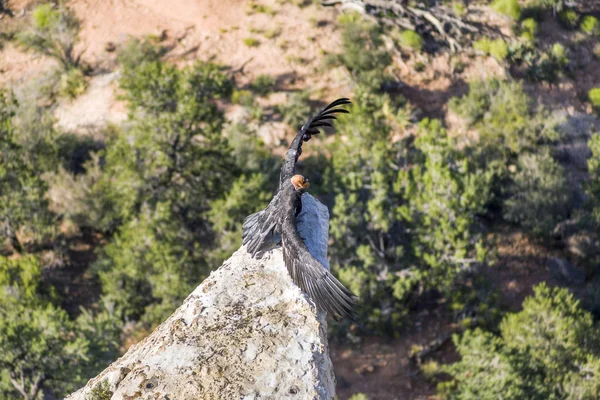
{"x": 42, "y": 351}
{"x": 593, "y": 185}
{"x": 506, "y": 120}
{"x": 589, "y": 24}
{"x": 411, "y": 40}
{"x": 459, "y": 8}
{"x": 363, "y": 54}
{"x": 510, "y": 8}
{"x": 404, "y": 215}
{"x": 569, "y": 19}
{"x": 295, "y": 109}
{"x": 263, "y": 84}
{"x": 101, "y": 391}
{"x": 540, "y": 195}
{"x": 496, "y": 48}
{"x": 54, "y": 33}
{"x": 158, "y": 182}
{"x": 251, "y": 42}
{"x": 72, "y": 83}
{"x": 23, "y": 206}
{"x": 550, "y": 350}
{"x": 529, "y": 28}
{"x": 554, "y": 5}
{"x": 359, "y": 396}
{"x": 594, "y": 96}
{"x": 540, "y": 65}
{"x": 242, "y": 97}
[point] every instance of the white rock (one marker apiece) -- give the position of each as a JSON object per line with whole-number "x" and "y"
{"x": 247, "y": 332}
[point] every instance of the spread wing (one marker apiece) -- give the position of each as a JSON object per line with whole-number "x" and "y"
{"x": 259, "y": 227}
{"x": 288, "y": 169}
{"x": 312, "y": 277}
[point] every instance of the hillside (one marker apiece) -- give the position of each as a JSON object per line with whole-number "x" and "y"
{"x": 463, "y": 178}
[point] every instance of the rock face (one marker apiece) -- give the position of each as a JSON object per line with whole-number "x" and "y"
{"x": 247, "y": 332}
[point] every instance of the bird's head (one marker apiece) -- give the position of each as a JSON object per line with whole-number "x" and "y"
{"x": 300, "y": 183}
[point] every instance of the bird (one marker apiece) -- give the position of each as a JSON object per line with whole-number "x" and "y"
{"x": 279, "y": 217}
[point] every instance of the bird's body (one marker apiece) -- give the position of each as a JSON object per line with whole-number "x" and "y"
{"x": 280, "y": 217}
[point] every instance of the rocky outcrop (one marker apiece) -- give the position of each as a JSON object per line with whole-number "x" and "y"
{"x": 247, "y": 332}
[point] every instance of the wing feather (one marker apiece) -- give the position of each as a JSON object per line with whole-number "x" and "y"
{"x": 259, "y": 228}
{"x": 312, "y": 277}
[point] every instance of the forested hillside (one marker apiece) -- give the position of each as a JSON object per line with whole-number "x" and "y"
{"x": 463, "y": 187}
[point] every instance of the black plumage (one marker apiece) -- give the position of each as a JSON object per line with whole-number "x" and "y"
{"x": 280, "y": 217}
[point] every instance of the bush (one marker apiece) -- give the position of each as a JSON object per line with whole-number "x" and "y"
{"x": 242, "y": 97}
{"x": 510, "y": 8}
{"x": 363, "y": 52}
{"x": 23, "y": 203}
{"x": 251, "y": 42}
{"x": 54, "y": 33}
{"x": 589, "y": 24}
{"x": 263, "y": 84}
{"x": 496, "y": 48}
{"x": 405, "y": 213}
{"x": 529, "y": 28}
{"x": 569, "y": 19}
{"x": 295, "y": 109}
{"x": 72, "y": 83}
{"x": 411, "y": 40}
{"x": 39, "y": 343}
{"x": 550, "y": 350}
{"x": 540, "y": 195}
{"x": 506, "y": 120}
{"x": 594, "y": 96}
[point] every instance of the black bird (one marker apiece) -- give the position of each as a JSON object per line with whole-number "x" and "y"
{"x": 280, "y": 217}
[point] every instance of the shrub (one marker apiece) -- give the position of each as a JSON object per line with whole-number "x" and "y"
{"x": 72, "y": 83}
{"x": 54, "y": 33}
{"x": 506, "y": 120}
{"x": 554, "y": 5}
{"x": 594, "y": 96}
{"x": 417, "y": 200}
{"x": 529, "y": 28}
{"x": 295, "y": 109}
{"x": 363, "y": 52}
{"x": 39, "y": 343}
{"x": 510, "y": 8}
{"x": 496, "y": 48}
{"x": 263, "y": 84}
{"x": 459, "y": 9}
{"x": 550, "y": 350}
{"x": 540, "y": 197}
{"x": 251, "y": 42}
{"x": 589, "y": 24}
{"x": 242, "y": 97}
{"x": 569, "y": 19}
{"x": 411, "y": 40}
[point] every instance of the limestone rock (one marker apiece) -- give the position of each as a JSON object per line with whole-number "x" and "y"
{"x": 247, "y": 332}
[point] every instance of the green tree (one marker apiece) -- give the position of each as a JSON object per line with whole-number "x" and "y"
{"x": 41, "y": 349}
{"x": 22, "y": 191}
{"x": 405, "y": 213}
{"x": 550, "y": 350}
{"x": 540, "y": 195}
{"x": 54, "y": 33}
{"x": 160, "y": 178}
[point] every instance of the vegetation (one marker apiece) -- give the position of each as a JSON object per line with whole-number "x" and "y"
{"x": 510, "y": 8}
{"x": 550, "y": 350}
{"x": 53, "y": 33}
{"x": 594, "y": 96}
{"x": 416, "y": 203}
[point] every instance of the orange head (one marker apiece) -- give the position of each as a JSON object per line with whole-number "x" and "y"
{"x": 299, "y": 182}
